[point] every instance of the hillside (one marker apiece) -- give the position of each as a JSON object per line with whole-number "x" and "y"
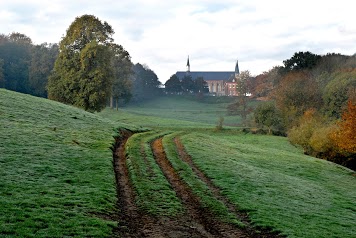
{"x": 55, "y": 169}
{"x": 180, "y": 179}
{"x": 273, "y": 182}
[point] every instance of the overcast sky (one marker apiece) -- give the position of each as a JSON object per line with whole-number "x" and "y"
{"x": 214, "y": 33}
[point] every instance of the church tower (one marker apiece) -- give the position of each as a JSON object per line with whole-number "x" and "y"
{"x": 188, "y": 65}
{"x": 237, "y": 71}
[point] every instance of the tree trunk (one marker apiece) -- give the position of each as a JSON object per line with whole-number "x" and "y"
{"x": 112, "y": 102}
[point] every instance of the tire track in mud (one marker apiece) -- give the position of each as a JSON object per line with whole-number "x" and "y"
{"x": 201, "y": 220}
{"x": 249, "y": 230}
{"x": 132, "y": 222}
{"x": 197, "y": 221}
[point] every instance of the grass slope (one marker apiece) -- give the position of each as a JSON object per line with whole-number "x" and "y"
{"x": 278, "y": 185}
{"x": 55, "y": 169}
{"x": 56, "y": 175}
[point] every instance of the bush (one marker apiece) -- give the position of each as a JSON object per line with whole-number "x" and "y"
{"x": 321, "y": 141}
{"x": 219, "y": 125}
{"x": 330, "y": 141}
{"x": 267, "y": 117}
{"x": 302, "y": 133}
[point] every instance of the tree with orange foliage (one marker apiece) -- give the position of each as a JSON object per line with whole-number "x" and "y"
{"x": 345, "y": 137}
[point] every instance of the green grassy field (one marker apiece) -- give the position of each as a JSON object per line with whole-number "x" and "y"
{"x": 57, "y": 178}
{"x": 277, "y": 185}
{"x": 175, "y": 111}
{"x": 56, "y": 175}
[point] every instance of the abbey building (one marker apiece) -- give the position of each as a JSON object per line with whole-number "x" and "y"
{"x": 221, "y": 83}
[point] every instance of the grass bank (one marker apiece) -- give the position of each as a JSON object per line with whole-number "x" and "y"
{"x": 55, "y": 169}
{"x": 277, "y": 185}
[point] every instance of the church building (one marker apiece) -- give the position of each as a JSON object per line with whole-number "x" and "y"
{"x": 220, "y": 83}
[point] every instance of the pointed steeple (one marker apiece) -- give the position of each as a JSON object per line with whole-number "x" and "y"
{"x": 188, "y": 65}
{"x": 237, "y": 70}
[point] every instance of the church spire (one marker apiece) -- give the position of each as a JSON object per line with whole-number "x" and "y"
{"x": 188, "y": 65}
{"x": 237, "y": 71}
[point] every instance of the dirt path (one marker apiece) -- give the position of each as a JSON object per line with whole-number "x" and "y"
{"x": 199, "y": 217}
{"x": 195, "y": 222}
{"x": 132, "y": 222}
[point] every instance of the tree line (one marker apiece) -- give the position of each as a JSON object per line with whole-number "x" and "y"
{"x": 25, "y": 67}
{"x": 187, "y": 85}
{"x": 312, "y": 100}
{"x": 86, "y": 69}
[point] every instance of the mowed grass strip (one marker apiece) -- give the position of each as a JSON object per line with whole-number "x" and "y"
{"x": 199, "y": 188}
{"x": 56, "y": 173}
{"x": 153, "y": 192}
{"x": 277, "y": 185}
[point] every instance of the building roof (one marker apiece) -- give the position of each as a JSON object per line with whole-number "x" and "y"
{"x": 207, "y": 75}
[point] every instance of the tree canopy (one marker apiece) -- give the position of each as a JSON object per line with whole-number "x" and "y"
{"x": 122, "y": 84}
{"x": 41, "y": 65}
{"x": 25, "y": 67}
{"x": 173, "y": 84}
{"x": 145, "y": 82}
{"x": 83, "y": 73}
{"x": 301, "y": 60}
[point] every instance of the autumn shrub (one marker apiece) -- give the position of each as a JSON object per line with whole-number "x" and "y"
{"x": 321, "y": 143}
{"x": 296, "y": 93}
{"x": 344, "y": 137}
{"x": 333, "y": 141}
{"x": 303, "y": 131}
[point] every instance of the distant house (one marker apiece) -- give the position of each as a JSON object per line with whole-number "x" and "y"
{"x": 221, "y": 83}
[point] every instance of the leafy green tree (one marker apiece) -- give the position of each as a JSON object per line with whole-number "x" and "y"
{"x": 173, "y": 85}
{"x": 145, "y": 82}
{"x": 188, "y": 84}
{"x": 15, "y": 50}
{"x": 42, "y": 62}
{"x": 338, "y": 91}
{"x": 267, "y": 116}
{"x": 83, "y": 73}
{"x": 122, "y": 85}
{"x": 201, "y": 86}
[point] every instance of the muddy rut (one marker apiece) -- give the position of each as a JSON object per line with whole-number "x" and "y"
{"x": 197, "y": 221}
